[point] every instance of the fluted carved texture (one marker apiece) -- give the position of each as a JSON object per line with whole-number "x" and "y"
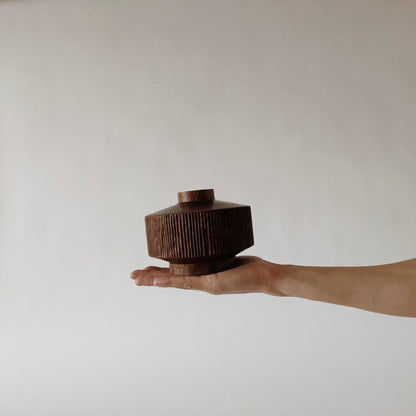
{"x": 189, "y": 236}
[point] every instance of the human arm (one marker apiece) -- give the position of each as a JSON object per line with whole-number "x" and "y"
{"x": 388, "y": 288}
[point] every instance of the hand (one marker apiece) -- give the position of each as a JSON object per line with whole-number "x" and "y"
{"x": 388, "y": 288}
{"x": 252, "y": 274}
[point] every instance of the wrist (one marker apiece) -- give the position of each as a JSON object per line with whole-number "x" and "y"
{"x": 294, "y": 281}
{"x": 281, "y": 278}
{"x": 313, "y": 283}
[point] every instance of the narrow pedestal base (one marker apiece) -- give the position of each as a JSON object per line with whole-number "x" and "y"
{"x": 199, "y": 269}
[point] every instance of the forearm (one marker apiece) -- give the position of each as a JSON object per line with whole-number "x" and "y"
{"x": 389, "y": 288}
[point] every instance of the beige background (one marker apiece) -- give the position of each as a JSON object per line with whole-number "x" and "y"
{"x": 303, "y": 109}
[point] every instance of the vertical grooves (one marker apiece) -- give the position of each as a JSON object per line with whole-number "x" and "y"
{"x": 199, "y": 234}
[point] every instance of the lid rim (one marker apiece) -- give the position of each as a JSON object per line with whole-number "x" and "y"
{"x": 199, "y": 195}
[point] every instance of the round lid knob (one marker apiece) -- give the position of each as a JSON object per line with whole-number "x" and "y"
{"x": 201, "y": 195}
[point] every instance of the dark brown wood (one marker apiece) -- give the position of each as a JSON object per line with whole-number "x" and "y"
{"x": 199, "y": 235}
{"x": 203, "y": 195}
{"x": 202, "y": 268}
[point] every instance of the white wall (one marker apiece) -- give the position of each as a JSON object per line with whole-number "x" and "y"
{"x": 303, "y": 109}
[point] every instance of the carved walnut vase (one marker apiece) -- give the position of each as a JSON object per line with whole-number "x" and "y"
{"x": 199, "y": 235}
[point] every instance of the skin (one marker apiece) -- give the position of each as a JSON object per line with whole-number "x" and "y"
{"x": 388, "y": 288}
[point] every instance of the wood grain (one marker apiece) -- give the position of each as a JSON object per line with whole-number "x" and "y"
{"x": 201, "y": 231}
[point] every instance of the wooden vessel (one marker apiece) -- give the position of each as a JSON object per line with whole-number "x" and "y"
{"x": 199, "y": 235}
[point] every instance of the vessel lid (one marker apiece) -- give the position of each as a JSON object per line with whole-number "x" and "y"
{"x": 196, "y": 200}
{"x": 200, "y": 195}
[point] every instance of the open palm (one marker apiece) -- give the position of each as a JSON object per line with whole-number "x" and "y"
{"x": 252, "y": 274}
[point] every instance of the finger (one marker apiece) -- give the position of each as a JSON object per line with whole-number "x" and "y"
{"x": 213, "y": 283}
{"x": 181, "y": 282}
{"x": 146, "y": 277}
{"x": 153, "y": 268}
{"x": 135, "y": 273}
{"x": 156, "y": 276}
